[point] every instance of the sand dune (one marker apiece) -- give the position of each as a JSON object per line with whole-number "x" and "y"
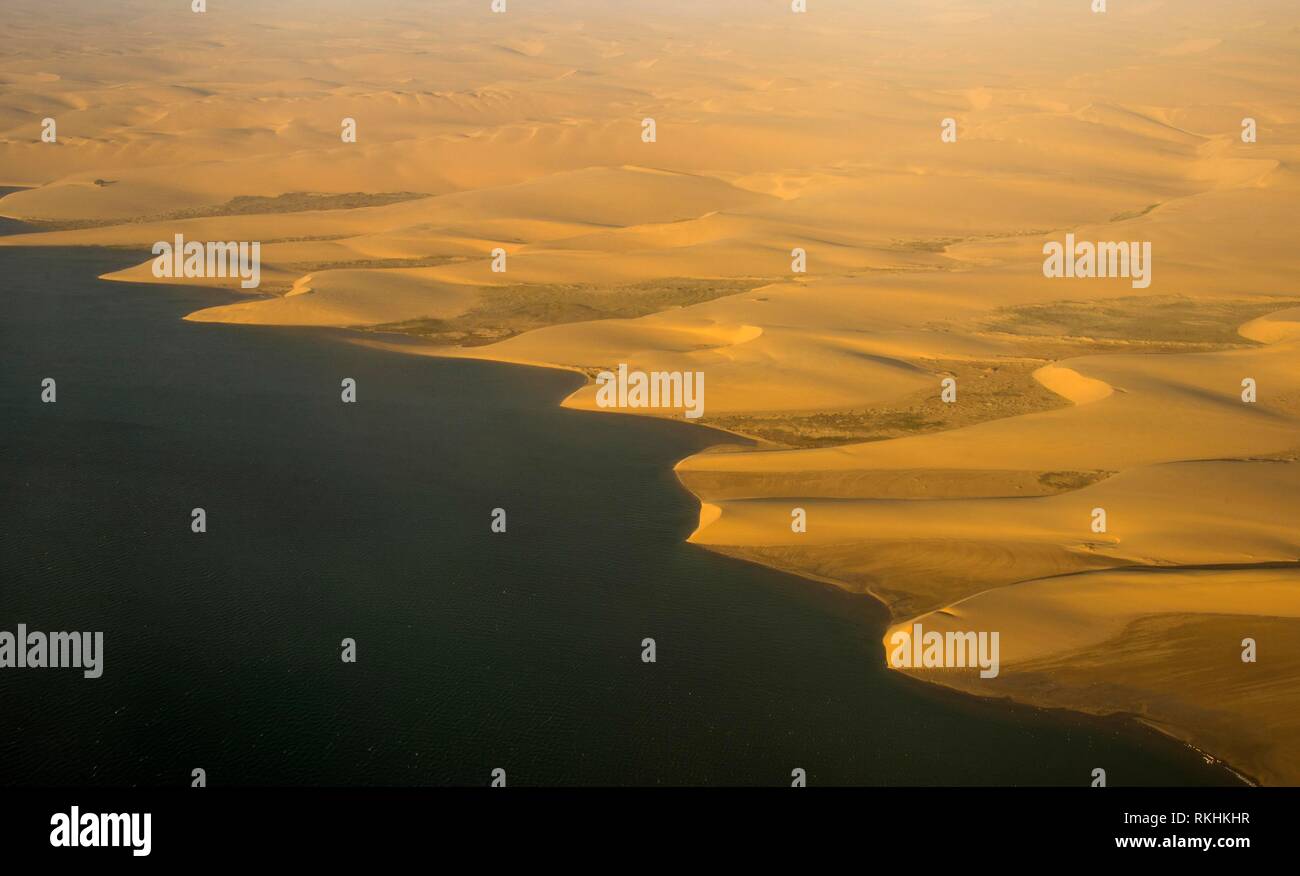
{"x": 1155, "y": 517}
{"x": 1164, "y": 644}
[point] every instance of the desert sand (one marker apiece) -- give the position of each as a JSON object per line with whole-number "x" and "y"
{"x": 777, "y": 131}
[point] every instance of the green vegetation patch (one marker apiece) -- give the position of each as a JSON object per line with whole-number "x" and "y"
{"x": 1170, "y": 320}
{"x": 988, "y": 390}
{"x": 505, "y": 311}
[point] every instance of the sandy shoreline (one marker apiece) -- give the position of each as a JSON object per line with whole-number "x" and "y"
{"x": 1183, "y": 735}
{"x": 850, "y": 246}
{"x": 929, "y": 518}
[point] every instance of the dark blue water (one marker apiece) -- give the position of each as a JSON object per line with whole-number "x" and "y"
{"x": 371, "y": 521}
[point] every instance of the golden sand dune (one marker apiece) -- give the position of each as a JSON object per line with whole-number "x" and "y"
{"x": 1153, "y": 517}
{"x": 1163, "y": 644}
{"x": 785, "y": 142}
{"x": 1154, "y": 415}
{"x": 1068, "y": 383}
{"x": 348, "y": 297}
{"x": 1053, "y": 616}
{"x": 1282, "y": 325}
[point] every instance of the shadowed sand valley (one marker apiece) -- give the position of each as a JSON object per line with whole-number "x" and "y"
{"x": 924, "y": 261}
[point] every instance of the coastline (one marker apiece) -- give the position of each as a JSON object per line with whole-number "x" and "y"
{"x": 1184, "y": 736}
{"x": 416, "y": 347}
{"x": 1181, "y": 735}
{"x": 406, "y": 344}
{"x": 1000, "y": 328}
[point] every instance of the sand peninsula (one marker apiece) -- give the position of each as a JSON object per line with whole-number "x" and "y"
{"x": 916, "y": 163}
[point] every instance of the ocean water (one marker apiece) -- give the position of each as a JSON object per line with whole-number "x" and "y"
{"x": 371, "y": 521}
